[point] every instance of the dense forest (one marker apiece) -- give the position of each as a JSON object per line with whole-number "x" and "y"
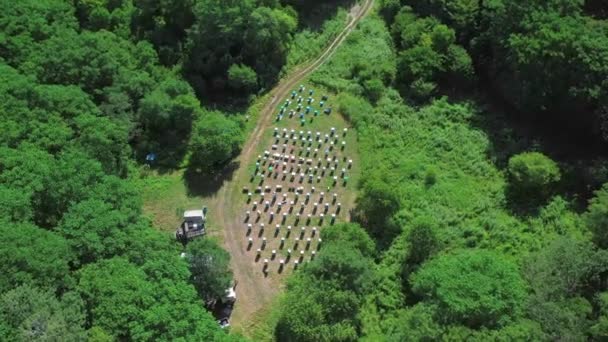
{"x": 88, "y": 89}
{"x": 483, "y": 125}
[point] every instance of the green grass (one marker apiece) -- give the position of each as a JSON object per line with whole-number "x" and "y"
{"x": 166, "y": 197}
{"x": 261, "y": 327}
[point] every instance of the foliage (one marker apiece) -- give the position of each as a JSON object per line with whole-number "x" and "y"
{"x": 167, "y": 114}
{"x": 209, "y": 267}
{"x": 428, "y": 54}
{"x": 350, "y": 234}
{"x": 453, "y": 260}
{"x": 106, "y": 15}
{"x": 533, "y": 171}
{"x": 257, "y": 37}
{"x": 355, "y": 63}
{"x": 164, "y": 24}
{"x": 323, "y": 298}
{"x": 78, "y": 91}
{"x": 561, "y": 276}
{"x": 31, "y": 255}
{"x": 82, "y": 90}
{"x": 375, "y": 208}
{"x": 596, "y": 217}
{"x": 600, "y": 329}
{"x": 215, "y": 140}
{"x": 308, "y": 43}
{"x": 242, "y": 77}
{"x": 120, "y": 298}
{"x": 95, "y": 230}
{"x": 475, "y": 288}
{"x": 414, "y": 324}
{"x": 423, "y": 241}
{"x": 33, "y": 314}
{"x": 543, "y": 58}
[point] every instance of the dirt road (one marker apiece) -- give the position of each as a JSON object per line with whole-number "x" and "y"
{"x": 255, "y": 292}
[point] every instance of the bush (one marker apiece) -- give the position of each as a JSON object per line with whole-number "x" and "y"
{"x": 533, "y": 173}
{"x": 242, "y": 77}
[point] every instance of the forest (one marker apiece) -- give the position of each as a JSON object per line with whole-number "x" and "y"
{"x": 482, "y": 125}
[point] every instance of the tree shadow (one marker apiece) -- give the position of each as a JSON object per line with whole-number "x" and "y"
{"x": 312, "y": 15}
{"x": 510, "y": 132}
{"x": 526, "y": 204}
{"x": 205, "y": 184}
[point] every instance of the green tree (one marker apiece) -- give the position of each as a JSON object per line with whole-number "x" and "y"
{"x": 324, "y": 299}
{"x": 15, "y": 205}
{"x": 267, "y": 37}
{"x": 350, "y": 234}
{"x": 26, "y": 23}
{"x": 95, "y": 230}
{"x": 475, "y": 288}
{"x": 105, "y": 140}
{"x": 600, "y": 329}
{"x": 209, "y": 267}
{"x": 462, "y": 15}
{"x": 97, "y": 334}
{"x": 132, "y": 303}
{"x": 423, "y": 241}
{"x": 116, "y": 295}
{"x": 596, "y": 217}
{"x": 242, "y": 77}
{"x": 429, "y": 56}
{"x": 108, "y": 15}
{"x": 561, "y": 275}
{"x": 167, "y": 114}
{"x": 533, "y": 174}
{"x": 376, "y": 206}
{"x": 31, "y": 255}
{"x": 413, "y": 324}
{"x": 215, "y": 140}
{"x": 344, "y": 267}
{"x": 565, "y": 268}
{"x": 318, "y": 312}
{"x": 257, "y": 36}
{"x": 33, "y": 314}
{"x": 73, "y": 174}
{"x": 164, "y": 23}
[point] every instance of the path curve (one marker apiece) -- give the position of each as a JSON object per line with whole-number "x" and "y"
{"x": 254, "y": 292}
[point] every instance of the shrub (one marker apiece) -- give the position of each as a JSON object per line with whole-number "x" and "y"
{"x": 533, "y": 173}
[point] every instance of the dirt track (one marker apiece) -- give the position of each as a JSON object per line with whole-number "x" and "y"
{"x": 253, "y": 292}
